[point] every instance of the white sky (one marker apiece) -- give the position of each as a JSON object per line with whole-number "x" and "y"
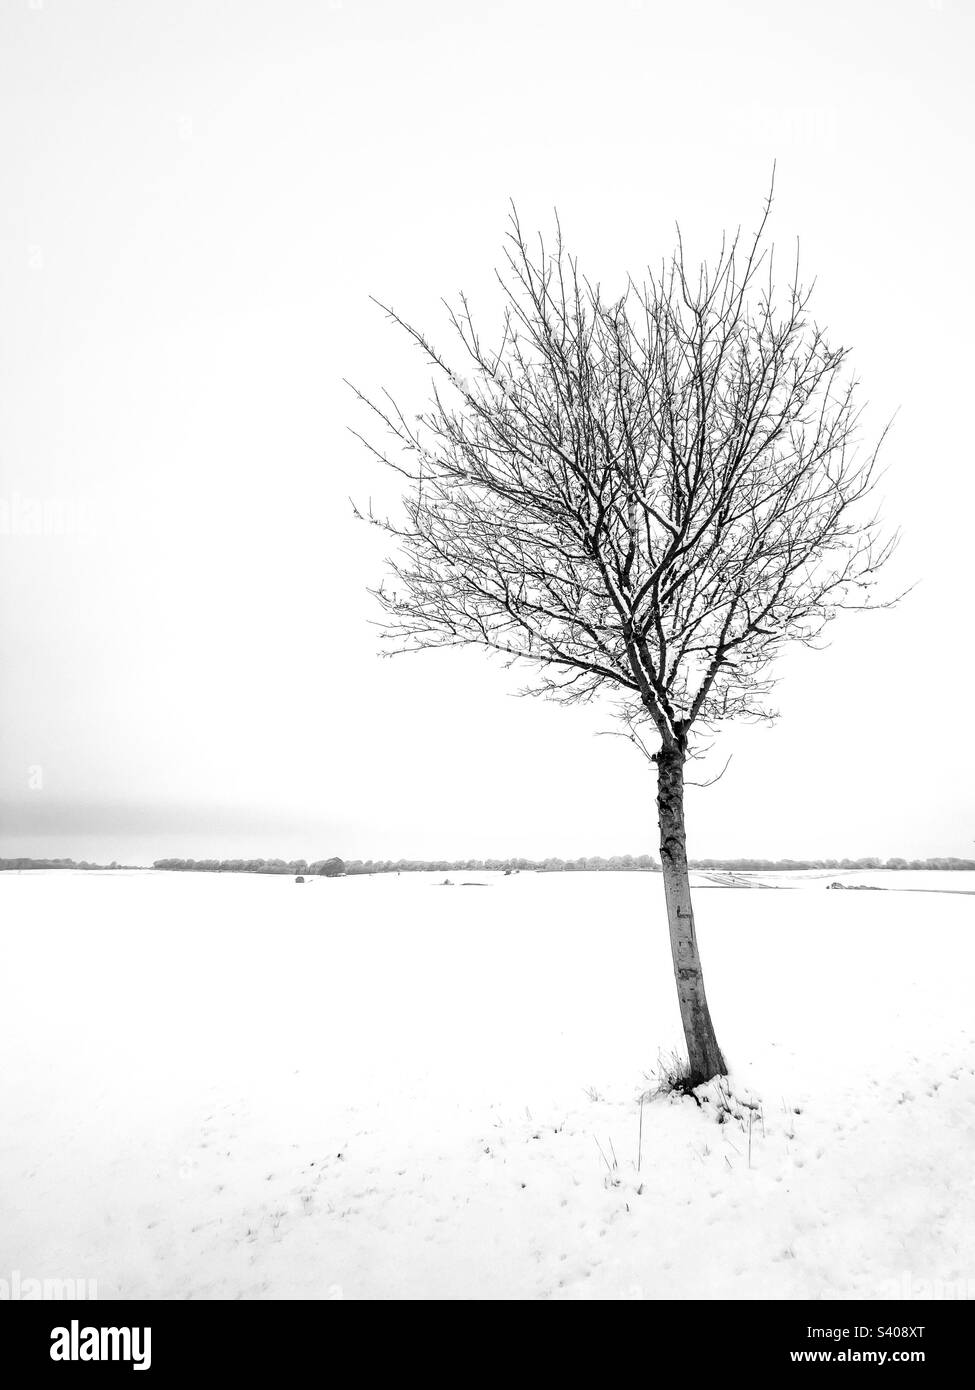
{"x": 197, "y": 200}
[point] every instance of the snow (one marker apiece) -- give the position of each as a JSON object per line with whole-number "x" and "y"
{"x": 237, "y": 1086}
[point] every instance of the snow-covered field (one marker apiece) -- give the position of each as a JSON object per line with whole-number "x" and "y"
{"x": 223, "y": 1086}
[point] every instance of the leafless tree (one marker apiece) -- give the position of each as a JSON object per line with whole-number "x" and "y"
{"x": 650, "y": 495}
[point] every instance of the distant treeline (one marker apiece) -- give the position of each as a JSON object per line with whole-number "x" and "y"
{"x": 783, "y": 865}
{"x": 60, "y": 864}
{"x": 642, "y": 863}
{"x": 331, "y": 867}
{"x": 327, "y": 868}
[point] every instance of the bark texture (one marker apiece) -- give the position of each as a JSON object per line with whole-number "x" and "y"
{"x": 703, "y": 1051}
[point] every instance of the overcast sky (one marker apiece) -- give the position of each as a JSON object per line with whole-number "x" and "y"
{"x": 197, "y": 200}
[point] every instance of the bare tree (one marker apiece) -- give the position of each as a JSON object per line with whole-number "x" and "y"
{"x": 649, "y": 495}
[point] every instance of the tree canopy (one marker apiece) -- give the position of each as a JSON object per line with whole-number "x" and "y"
{"x": 649, "y": 494}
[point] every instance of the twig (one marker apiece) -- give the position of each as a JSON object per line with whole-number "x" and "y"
{"x": 603, "y": 1156}
{"x": 712, "y": 780}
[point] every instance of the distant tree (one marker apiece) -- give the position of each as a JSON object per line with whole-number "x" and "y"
{"x": 648, "y": 494}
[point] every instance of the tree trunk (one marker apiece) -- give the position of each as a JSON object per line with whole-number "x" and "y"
{"x": 703, "y": 1051}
